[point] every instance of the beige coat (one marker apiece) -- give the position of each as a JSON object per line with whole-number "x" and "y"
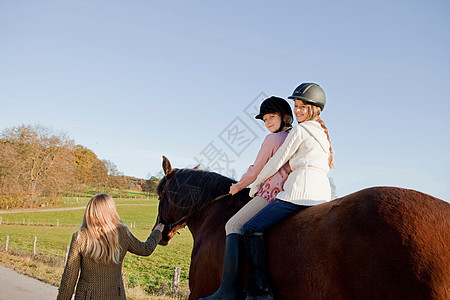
{"x": 101, "y": 281}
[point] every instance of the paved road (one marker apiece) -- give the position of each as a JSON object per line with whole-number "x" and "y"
{"x": 14, "y": 286}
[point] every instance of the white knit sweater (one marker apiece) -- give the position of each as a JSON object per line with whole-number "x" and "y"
{"x": 307, "y": 150}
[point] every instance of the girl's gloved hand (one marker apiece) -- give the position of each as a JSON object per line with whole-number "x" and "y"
{"x": 254, "y": 189}
{"x": 233, "y": 189}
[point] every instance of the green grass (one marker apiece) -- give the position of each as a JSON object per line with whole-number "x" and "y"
{"x": 81, "y": 201}
{"x": 51, "y": 240}
{"x": 153, "y": 273}
{"x": 89, "y": 192}
{"x": 141, "y": 211}
{"x": 67, "y": 218}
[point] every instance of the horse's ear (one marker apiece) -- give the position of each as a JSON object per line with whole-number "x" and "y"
{"x": 167, "y": 168}
{"x": 197, "y": 167}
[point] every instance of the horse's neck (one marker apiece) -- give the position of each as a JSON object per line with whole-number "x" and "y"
{"x": 213, "y": 219}
{"x": 194, "y": 228}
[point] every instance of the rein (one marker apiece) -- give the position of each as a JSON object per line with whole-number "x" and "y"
{"x": 172, "y": 225}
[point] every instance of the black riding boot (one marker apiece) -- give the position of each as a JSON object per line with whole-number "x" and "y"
{"x": 258, "y": 287}
{"x": 232, "y": 269}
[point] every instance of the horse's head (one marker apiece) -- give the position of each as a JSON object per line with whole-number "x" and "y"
{"x": 184, "y": 194}
{"x": 168, "y": 213}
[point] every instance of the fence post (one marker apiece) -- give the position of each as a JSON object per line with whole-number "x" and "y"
{"x": 134, "y": 225}
{"x": 7, "y": 242}
{"x": 34, "y": 245}
{"x": 28, "y": 222}
{"x": 176, "y": 281}
{"x": 57, "y": 222}
{"x": 23, "y": 221}
{"x": 0, "y": 220}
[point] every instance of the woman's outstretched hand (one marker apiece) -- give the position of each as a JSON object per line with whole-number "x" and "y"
{"x": 159, "y": 227}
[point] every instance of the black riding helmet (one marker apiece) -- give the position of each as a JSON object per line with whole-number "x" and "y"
{"x": 276, "y": 105}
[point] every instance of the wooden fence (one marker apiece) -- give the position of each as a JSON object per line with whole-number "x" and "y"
{"x": 28, "y": 222}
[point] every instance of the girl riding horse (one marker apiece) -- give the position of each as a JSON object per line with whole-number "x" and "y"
{"x": 308, "y": 150}
{"x": 277, "y": 116}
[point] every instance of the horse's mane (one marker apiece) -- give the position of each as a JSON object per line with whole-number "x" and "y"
{"x": 193, "y": 190}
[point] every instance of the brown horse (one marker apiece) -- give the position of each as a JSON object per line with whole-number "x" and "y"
{"x": 378, "y": 243}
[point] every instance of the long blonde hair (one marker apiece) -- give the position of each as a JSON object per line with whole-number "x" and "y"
{"x": 100, "y": 228}
{"x": 313, "y": 115}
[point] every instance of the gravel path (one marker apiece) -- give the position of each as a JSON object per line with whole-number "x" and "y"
{"x": 15, "y": 286}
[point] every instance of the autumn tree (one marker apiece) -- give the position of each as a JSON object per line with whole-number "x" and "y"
{"x": 35, "y": 160}
{"x": 10, "y": 188}
{"x": 99, "y": 178}
{"x": 83, "y": 163}
{"x": 149, "y": 186}
{"x": 116, "y": 179}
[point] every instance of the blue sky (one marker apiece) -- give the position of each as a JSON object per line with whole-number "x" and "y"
{"x": 135, "y": 80}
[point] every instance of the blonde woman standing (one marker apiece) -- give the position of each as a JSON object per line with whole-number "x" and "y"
{"x": 97, "y": 251}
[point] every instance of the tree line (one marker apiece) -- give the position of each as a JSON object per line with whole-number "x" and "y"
{"x": 38, "y": 165}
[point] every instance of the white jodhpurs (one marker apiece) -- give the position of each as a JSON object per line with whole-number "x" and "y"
{"x": 234, "y": 225}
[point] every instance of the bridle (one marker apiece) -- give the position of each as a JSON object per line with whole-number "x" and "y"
{"x": 181, "y": 220}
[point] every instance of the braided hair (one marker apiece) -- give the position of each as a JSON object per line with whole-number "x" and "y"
{"x": 314, "y": 115}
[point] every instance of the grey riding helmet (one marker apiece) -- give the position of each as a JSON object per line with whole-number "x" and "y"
{"x": 311, "y": 93}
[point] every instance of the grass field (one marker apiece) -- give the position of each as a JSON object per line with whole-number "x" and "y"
{"x": 144, "y": 276}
